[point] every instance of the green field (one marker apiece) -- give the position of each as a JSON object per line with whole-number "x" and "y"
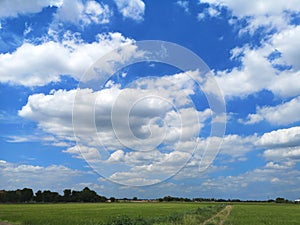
{"x": 97, "y": 213}
{"x": 150, "y": 213}
{"x": 259, "y": 214}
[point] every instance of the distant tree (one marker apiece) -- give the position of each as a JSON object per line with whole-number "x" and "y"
{"x": 26, "y": 195}
{"x": 134, "y": 198}
{"x": 76, "y": 196}
{"x": 168, "y": 198}
{"x": 67, "y": 195}
{"x": 12, "y": 196}
{"x": 281, "y": 200}
{"x": 39, "y": 196}
{"x": 88, "y": 195}
{"x": 112, "y": 199}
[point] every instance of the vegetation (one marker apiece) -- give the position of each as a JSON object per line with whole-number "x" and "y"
{"x": 26, "y": 195}
{"x": 145, "y": 213}
{"x": 163, "y": 211}
{"x": 108, "y": 213}
{"x": 263, "y": 213}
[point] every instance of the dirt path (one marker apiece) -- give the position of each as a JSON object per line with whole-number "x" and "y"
{"x": 220, "y": 217}
{"x": 4, "y": 223}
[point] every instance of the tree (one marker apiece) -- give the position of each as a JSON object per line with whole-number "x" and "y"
{"x": 26, "y": 195}
{"x": 112, "y": 199}
{"x": 88, "y": 195}
{"x": 67, "y": 195}
{"x": 281, "y": 200}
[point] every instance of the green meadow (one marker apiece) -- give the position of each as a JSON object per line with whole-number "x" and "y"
{"x": 259, "y": 214}
{"x": 150, "y": 213}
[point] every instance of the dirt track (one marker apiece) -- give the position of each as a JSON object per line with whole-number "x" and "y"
{"x": 220, "y": 217}
{"x": 5, "y": 223}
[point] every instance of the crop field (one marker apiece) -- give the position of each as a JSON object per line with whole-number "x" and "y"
{"x": 106, "y": 213}
{"x": 259, "y": 214}
{"x": 150, "y": 213}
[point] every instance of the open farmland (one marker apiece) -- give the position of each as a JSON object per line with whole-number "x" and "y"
{"x": 103, "y": 213}
{"x": 259, "y": 214}
{"x": 151, "y": 213}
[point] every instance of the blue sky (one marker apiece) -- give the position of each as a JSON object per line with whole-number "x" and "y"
{"x": 144, "y": 133}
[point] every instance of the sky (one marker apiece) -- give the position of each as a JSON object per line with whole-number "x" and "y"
{"x": 145, "y": 98}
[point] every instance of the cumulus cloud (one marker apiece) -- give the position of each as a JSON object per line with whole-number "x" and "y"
{"x": 269, "y": 181}
{"x": 83, "y": 13}
{"x": 162, "y": 167}
{"x": 258, "y": 68}
{"x": 282, "y": 114}
{"x": 37, "y": 65}
{"x": 289, "y": 137}
{"x": 254, "y": 74}
{"x": 136, "y": 126}
{"x": 268, "y": 13}
{"x": 237, "y": 146}
{"x": 258, "y": 71}
{"x": 12, "y": 8}
{"x": 286, "y": 42}
{"x": 282, "y": 148}
{"x": 73, "y": 11}
{"x": 289, "y": 155}
{"x": 15, "y": 176}
{"x": 133, "y": 9}
{"x": 83, "y": 152}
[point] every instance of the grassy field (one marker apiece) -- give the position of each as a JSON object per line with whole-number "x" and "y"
{"x": 260, "y": 214}
{"x": 81, "y": 214}
{"x": 151, "y": 213}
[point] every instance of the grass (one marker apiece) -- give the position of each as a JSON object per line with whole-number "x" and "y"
{"x": 107, "y": 213}
{"x": 149, "y": 214}
{"x": 264, "y": 214}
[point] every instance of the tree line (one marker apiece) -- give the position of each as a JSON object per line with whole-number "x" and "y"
{"x": 26, "y": 195}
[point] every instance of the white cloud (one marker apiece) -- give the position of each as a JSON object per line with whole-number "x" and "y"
{"x": 259, "y": 13}
{"x": 15, "y": 176}
{"x": 37, "y": 65}
{"x": 11, "y": 8}
{"x": 117, "y": 122}
{"x": 257, "y": 71}
{"x": 163, "y": 167}
{"x": 283, "y": 154}
{"x": 237, "y": 146}
{"x": 254, "y": 74}
{"x": 73, "y": 11}
{"x": 271, "y": 181}
{"x": 211, "y": 11}
{"x": 42, "y": 108}
{"x": 184, "y": 5}
{"x": 287, "y": 43}
{"x": 283, "y": 114}
{"x": 116, "y": 156}
{"x": 133, "y": 9}
{"x": 289, "y": 137}
{"x": 84, "y": 152}
{"x": 79, "y": 13}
